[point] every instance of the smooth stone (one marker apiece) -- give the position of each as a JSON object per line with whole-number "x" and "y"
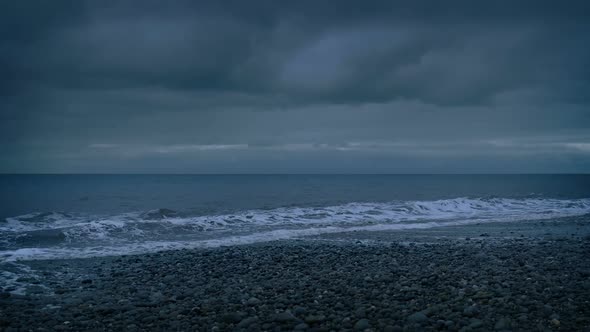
{"x": 362, "y": 324}
{"x": 299, "y": 310}
{"x": 231, "y": 318}
{"x": 470, "y": 311}
{"x": 247, "y": 322}
{"x": 395, "y": 328}
{"x": 253, "y": 301}
{"x": 360, "y": 313}
{"x": 301, "y": 327}
{"x": 502, "y": 324}
{"x": 417, "y": 317}
{"x": 475, "y": 323}
{"x": 482, "y": 295}
{"x": 312, "y": 319}
{"x": 285, "y": 316}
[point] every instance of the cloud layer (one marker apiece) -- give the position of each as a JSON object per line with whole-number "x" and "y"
{"x": 184, "y": 86}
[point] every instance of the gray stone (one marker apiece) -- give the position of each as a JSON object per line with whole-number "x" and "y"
{"x": 247, "y": 322}
{"x": 390, "y": 328}
{"x": 360, "y": 312}
{"x": 285, "y": 316}
{"x": 418, "y": 317}
{"x": 470, "y": 311}
{"x": 299, "y": 310}
{"x": 233, "y": 317}
{"x": 502, "y": 324}
{"x": 362, "y": 324}
{"x": 253, "y": 301}
{"x": 312, "y": 319}
{"x": 301, "y": 327}
{"x": 475, "y": 323}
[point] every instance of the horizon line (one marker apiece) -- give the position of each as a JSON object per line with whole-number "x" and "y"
{"x": 319, "y": 173}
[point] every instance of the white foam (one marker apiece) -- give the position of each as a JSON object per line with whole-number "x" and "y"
{"x": 130, "y": 233}
{"x": 17, "y": 278}
{"x": 259, "y": 237}
{"x": 346, "y": 213}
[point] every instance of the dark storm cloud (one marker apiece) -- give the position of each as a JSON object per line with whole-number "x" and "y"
{"x": 243, "y": 81}
{"x": 368, "y": 52}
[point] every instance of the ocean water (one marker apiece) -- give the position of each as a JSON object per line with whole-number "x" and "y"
{"x": 74, "y": 216}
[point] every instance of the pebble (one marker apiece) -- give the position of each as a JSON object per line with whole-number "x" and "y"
{"x": 362, "y": 324}
{"x": 247, "y": 322}
{"x": 417, "y": 317}
{"x": 253, "y": 301}
{"x": 301, "y": 327}
{"x": 318, "y": 286}
{"x": 231, "y": 318}
{"x": 284, "y": 317}
{"x": 502, "y": 324}
{"x": 470, "y": 311}
{"x": 312, "y": 319}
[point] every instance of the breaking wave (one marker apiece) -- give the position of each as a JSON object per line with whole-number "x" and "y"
{"x": 57, "y": 234}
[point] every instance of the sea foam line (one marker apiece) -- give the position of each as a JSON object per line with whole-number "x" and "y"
{"x": 25, "y": 254}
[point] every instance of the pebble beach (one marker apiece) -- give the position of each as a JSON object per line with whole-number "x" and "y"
{"x": 530, "y": 276}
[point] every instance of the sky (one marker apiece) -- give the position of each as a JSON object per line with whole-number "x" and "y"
{"x": 294, "y": 86}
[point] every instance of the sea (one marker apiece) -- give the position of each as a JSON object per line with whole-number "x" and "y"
{"x": 79, "y": 216}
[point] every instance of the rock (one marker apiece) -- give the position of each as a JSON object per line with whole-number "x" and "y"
{"x": 105, "y": 310}
{"x": 301, "y": 327}
{"x": 60, "y": 291}
{"x": 360, "y": 312}
{"x": 547, "y": 310}
{"x": 299, "y": 311}
{"x": 247, "y": 322}
{"x": 312, "y": 319}
{"x": 502, "y": 324}
{"x": 232, "y": 318}
{"x": 285, "y": 316}
{"x": 475, "y": 323}
{"x": 417, "y": 317}
{"x": 346, "y": 321}
{"x": 482, "y": 295}
{"x": 157, "y": 297}
{"x": 470, "y": 311}
{"x": 253, "y": 301}
{"x": 395, "y": 328}
{"x": 362, "y": 324}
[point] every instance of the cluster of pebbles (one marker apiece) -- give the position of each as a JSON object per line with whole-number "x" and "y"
{"x": 484, "y": 284}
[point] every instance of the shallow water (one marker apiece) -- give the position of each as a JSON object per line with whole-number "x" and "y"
{"x": 68, "y": 216}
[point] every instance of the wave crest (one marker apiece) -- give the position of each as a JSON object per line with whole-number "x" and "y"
{"x": 52, "y": 228}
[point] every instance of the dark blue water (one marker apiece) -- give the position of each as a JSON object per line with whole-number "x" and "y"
{"x": 211, "y": 194}
{"x": 60, "y": 216}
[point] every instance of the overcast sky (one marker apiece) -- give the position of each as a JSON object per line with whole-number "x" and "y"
{"x": 294, "y": 86}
